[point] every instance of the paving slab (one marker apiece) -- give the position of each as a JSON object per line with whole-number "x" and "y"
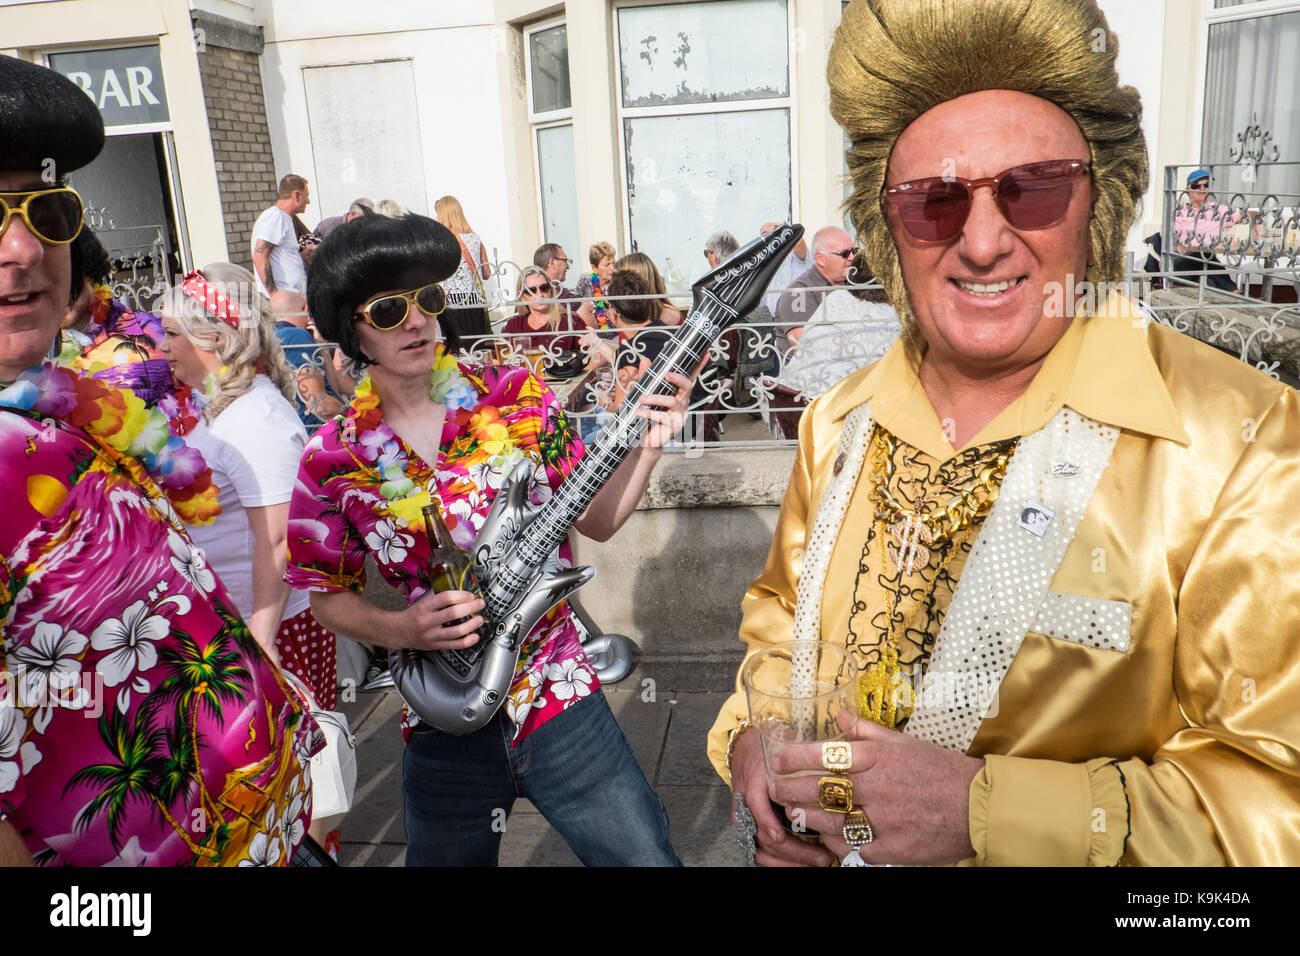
{"x": 644, "y": 717}
{"x": 666, "y": 730}
{"x": 685, "y": 761}
{"x": 699, "y": 824}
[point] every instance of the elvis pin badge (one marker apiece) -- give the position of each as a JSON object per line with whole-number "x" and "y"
{"x": 1036, "y": 518}
{"x": 1065, "y": 469}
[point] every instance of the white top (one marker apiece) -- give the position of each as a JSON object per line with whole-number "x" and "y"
{"x": 276, "y": 227}
{"x": 462, "y": 287}
{"x": 253, "y": 448}
{"x": 842, "y": 336}
{"x": 789, "y": 270}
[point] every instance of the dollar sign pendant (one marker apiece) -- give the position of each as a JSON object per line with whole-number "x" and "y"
{"x": 884, "y": 692}
{"x": 909, "y": 552}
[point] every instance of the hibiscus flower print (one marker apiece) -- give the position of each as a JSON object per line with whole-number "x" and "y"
{"x": 523, "y": 696}
{"x": 13, "y": 725}
{"x": 291, "y": 824}
{"x": 570, "y": 680}
{"x": 189, "y": 561}
{"x": 129, "y": 641}
{"x": 48, "y": 671}
{"x": 389, "y": 544}
{"x": 263, "y": 851}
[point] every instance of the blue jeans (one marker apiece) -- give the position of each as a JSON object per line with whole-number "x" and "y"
{"x": 577, "y": 769}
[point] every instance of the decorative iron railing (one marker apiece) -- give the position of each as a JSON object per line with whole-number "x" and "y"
{"x": 757, "y": 382}
{"x": 1245, "y": 226}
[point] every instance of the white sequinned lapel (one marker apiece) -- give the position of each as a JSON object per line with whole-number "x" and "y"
{"x": 1005, "y": 581}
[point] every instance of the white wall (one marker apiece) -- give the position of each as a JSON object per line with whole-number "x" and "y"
{"x": 457, "y": 90}
{"x": 1140, "y": 26}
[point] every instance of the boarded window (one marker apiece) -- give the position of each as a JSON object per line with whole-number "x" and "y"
{"x": 365, "y": 145}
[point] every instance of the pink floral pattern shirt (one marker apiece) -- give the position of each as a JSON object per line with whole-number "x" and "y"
{"x": 360, "y": 489}
{"x": 140, "y": 722}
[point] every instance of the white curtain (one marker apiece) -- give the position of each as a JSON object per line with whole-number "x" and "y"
{"x": 1252, "y": 70}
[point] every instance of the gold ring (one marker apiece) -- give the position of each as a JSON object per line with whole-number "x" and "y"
{"x": 835, "y": 794}
{"x": 837, "y": 756}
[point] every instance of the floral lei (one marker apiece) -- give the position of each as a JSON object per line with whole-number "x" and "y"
{"x": 119, "y": 421}
{"x": 448, "y": 386}
{"x": 600, "y": 305}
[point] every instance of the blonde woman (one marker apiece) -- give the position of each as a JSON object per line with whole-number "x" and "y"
{"x": 645, "y": 267}
{"x": 218, "y": 337}
{"x": 538, "y": 324}
{"x": 466, "y": 306}
{"x": 596, "y": 279}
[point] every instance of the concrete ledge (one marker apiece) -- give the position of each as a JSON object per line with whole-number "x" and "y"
{"x": 228, "y": 34}
{"x": 1202, "y": 309}
{"x": 719, "y": 477}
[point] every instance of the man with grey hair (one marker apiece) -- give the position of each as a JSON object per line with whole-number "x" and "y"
{"x": 360, "y": 207}
{"x": 832, "y": 251}
{"x": 552, "y": 260}
{"x": 720, "y": 247}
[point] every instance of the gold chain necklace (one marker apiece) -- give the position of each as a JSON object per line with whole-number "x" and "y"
{"x": 915, "y": 530}
{"x": 884, "y": 694}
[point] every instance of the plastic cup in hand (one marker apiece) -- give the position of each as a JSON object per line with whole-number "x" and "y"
{"x": 796, "y": 692}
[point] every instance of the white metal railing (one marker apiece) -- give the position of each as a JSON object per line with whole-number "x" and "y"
{"x": 1245, "y": 228}
{"x": 752, "y": 373}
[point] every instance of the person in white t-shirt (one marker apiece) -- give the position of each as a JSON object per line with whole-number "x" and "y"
{"x": 795, "y": 264}
{"x": 276, "y": 259}
{"x": 219, "y": 338}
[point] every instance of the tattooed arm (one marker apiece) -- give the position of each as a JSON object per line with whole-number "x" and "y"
{"x": 262, "y": 263}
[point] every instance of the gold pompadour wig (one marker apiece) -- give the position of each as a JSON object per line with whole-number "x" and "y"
{"x": 893, "y": 60}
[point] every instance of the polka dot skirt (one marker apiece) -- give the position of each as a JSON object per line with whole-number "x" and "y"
{"x": 308, "y": 651}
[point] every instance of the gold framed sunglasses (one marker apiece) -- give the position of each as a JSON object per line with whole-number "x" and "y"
{"x": 387, "y": 312}
{"x": 53, "y": 216}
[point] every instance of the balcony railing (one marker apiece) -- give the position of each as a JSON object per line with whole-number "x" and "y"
{"x": 1245, "y": 228}
{"x": 756, "y": 384}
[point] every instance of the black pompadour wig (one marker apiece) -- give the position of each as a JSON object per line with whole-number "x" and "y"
{"x": 374, "y": 254}
{"x": 47, "y": 124}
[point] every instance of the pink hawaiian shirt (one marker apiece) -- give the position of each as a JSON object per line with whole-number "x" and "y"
{"x": 1202, "y": 228}
{"x": 140, "y": 722}
{"x": 340, "y": 512}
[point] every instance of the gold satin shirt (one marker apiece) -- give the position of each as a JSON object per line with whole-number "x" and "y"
{"x": 1184, "y": 749}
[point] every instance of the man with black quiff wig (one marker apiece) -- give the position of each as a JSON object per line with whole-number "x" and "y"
{"x": 374, "y": 254}
{"x": 47, "y": 126}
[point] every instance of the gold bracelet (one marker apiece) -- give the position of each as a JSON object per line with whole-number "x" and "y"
{"x": 739, "y": 729}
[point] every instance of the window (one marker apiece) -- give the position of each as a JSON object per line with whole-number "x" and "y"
{"x": 346, "y": 129}
{"x": 704, "y": 117}
{"x": 131, "y": 190}
{"x": 1252, "y": 90}
{"x": 550, "y": 114}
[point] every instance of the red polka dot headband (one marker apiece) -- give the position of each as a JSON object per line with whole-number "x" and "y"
{"x": 211, "y": 298}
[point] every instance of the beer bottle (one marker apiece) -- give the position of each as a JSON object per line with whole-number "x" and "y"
{"x": 450, "y": 566}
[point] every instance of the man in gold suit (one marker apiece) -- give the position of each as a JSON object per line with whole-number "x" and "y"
{"x": 1062, "y": 540}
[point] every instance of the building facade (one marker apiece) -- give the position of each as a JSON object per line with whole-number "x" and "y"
{"x": 646, "y": 123}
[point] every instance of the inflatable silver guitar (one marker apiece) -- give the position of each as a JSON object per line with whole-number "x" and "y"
{"x": 515, "y": 555}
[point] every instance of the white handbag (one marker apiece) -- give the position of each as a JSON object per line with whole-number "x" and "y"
{"x": 334, "y": 767}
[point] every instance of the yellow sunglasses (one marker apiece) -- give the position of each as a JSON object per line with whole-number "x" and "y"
{"x": 389, "y": 311}
{"x": 52, "y": 215}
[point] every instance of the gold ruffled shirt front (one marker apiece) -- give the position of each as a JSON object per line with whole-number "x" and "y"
{"x": 1183, "y": 748}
